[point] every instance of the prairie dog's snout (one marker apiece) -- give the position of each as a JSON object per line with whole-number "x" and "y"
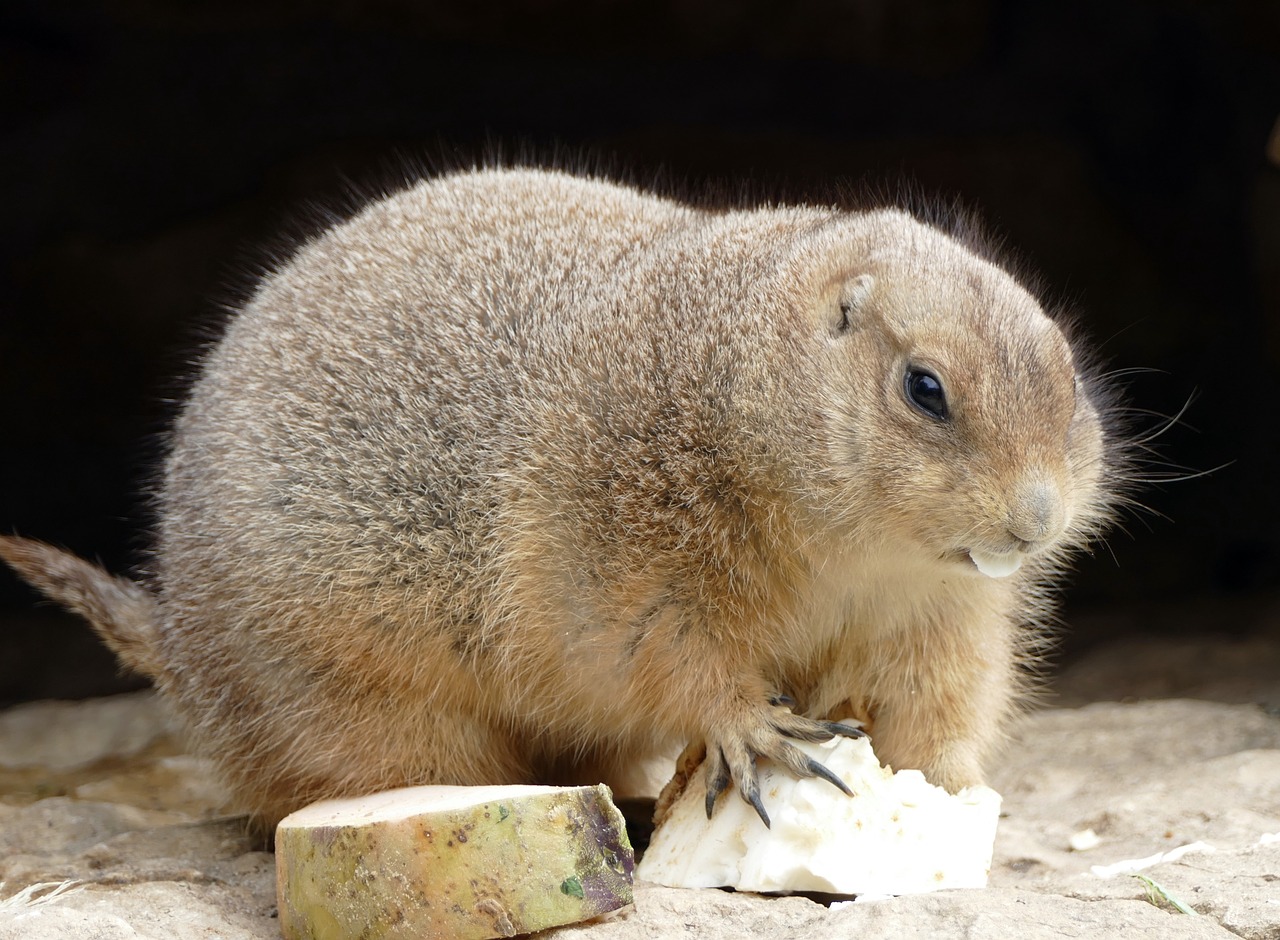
{"x": 1037, "y": 514}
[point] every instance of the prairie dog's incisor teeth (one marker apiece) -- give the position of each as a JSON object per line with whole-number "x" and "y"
{"x": 994, "y": 565}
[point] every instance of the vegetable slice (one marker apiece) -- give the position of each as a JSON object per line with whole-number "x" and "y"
{"x": 467, "y": 862}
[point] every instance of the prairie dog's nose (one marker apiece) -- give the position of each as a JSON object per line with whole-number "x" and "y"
{"x": 1036, "y": 513}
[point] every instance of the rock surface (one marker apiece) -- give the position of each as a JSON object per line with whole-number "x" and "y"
{"x": 141, "y": 827}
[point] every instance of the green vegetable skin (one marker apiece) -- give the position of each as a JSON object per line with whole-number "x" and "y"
{"x": 497, "y": 868}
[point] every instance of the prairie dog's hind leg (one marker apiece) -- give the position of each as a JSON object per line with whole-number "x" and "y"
{"x": 350, "y": 754}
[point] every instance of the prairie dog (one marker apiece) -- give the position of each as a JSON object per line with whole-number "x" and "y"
{"x": 517, "y": 476}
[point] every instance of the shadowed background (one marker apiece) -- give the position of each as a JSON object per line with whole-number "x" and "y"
{"x": 156, "y": 156}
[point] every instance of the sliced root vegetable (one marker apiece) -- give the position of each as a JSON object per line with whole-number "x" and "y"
{"x": 465, "y": 862}
{"x": 898, "y": 834}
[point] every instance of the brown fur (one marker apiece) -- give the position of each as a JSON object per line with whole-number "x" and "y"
{"x": 517, "y": 474}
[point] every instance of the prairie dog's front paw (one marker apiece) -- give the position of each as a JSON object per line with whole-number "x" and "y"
{"x": 732, "y": 751}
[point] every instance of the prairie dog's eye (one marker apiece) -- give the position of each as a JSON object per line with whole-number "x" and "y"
{"x": 923, "y": 390}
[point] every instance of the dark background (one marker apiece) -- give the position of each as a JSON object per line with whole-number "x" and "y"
{"x": 156, "y": 155}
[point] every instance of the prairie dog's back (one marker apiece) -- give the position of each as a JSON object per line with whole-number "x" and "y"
{"x": 409, "y": 362}
{"x": 428, "y": 303}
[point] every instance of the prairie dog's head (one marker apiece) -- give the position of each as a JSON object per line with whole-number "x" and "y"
{"x": 961, "y": 425}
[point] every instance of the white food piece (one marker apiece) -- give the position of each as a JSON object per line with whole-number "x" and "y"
{"x": 898, "y": 834}
{"x": 470, "y": 863}
{"x": 995, "y": 565}
{"x": 1084, "y": 840}
{"x": 1130, "y": 865}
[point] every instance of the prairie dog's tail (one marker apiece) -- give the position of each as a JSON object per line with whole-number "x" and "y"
{"x": 121, "y": 611}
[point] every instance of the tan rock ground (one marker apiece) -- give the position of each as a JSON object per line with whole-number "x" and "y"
{"x": 100, "y": 793}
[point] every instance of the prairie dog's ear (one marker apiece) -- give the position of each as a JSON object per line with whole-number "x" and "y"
{"x": 852, "y": 297}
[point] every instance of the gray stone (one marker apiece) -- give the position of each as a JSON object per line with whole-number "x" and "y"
{"x": 60, "y": 736}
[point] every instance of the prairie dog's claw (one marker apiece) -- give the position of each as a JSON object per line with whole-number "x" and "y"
{"x": 719, "y": 774}
{"x": 753, "y": 797}
{"x": 819, "y": 769}
{"x": 717, "y": 777}
{"x": 845, "y": 731}
{"x": 732, "y": 757}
